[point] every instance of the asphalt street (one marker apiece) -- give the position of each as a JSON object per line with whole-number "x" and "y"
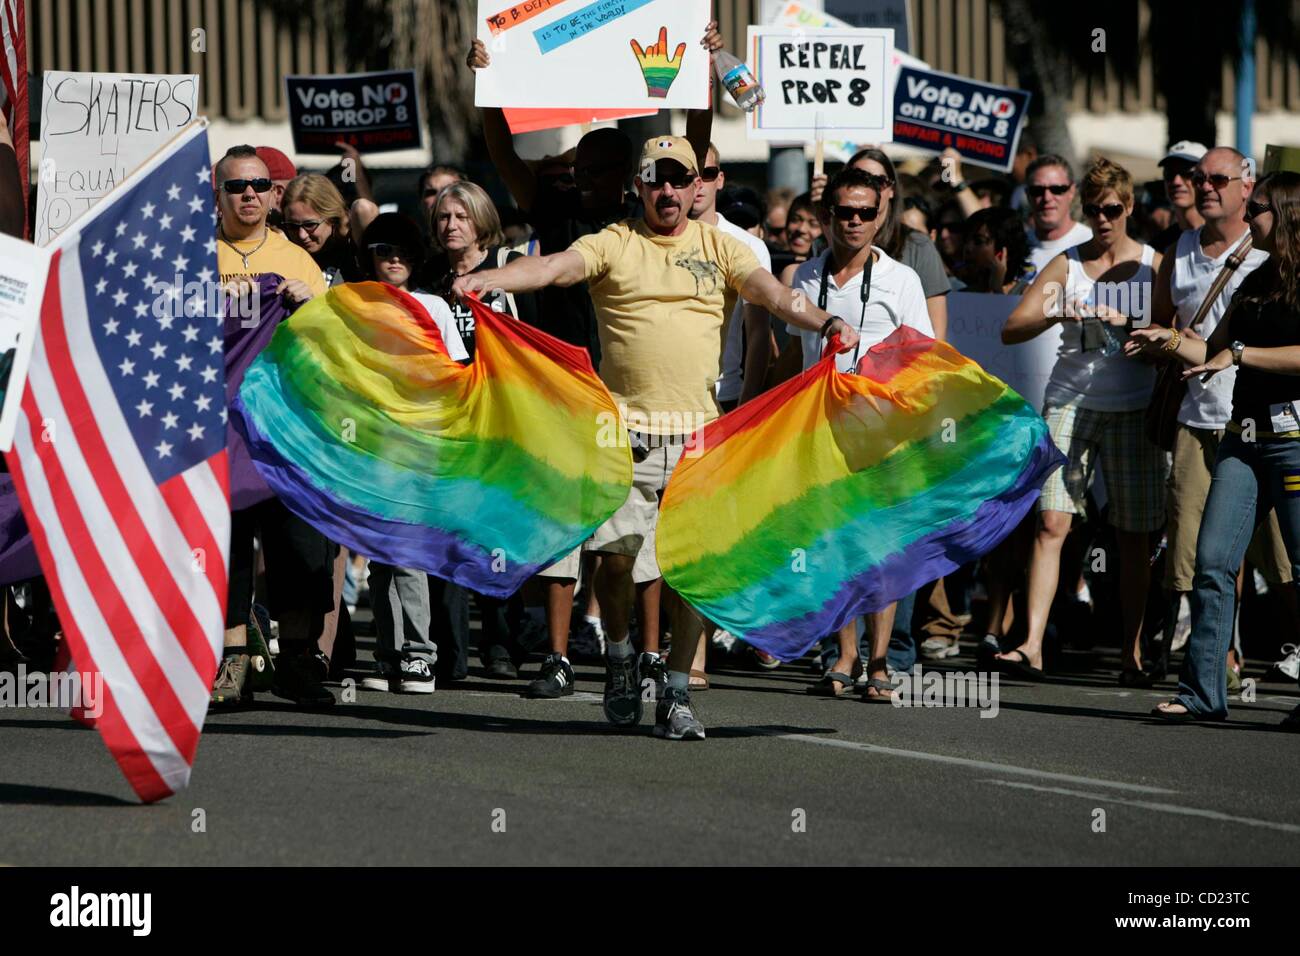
{"x": 477, "y": 775}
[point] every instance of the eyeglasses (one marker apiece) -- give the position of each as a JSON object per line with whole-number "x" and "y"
{"x": 1111, "y": 210}
{"x": 1056, "y": 189}
{"x": 710, "y": 173}
{"x": 237, "y": 186}
{"x": 386, "y": 250}
{"x": 1216, "y": 180}
{"x": 308, "y": 226}
{"x": 849, "y": 213}
{"x": 1254, "y": 208}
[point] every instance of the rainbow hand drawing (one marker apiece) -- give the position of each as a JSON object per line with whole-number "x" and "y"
{"x": 482, "y": 474}
{"x": 834, "y": 495}
{"x": 658, "y": 68}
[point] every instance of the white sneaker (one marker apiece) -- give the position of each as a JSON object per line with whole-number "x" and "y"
{"x": 938, "y": 648}
{"x": 724, "y": 640}
{"x": 1289, "y": 665}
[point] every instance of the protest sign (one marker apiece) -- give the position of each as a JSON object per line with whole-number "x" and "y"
{"x": 23, "y": 271}
{"x": 633, "y": 55}
{"x": 830, "y": 81}
{"x": 975, "y": 324}
{"x": 375, "y": 112}
{"x": 533, "y": 120}
{"x": 95, "y": 129}
{"x": 982, "y": 121}
{"x": 895, "y": 15}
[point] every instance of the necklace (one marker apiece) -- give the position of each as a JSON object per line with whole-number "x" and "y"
{"x": 243, "y": 255}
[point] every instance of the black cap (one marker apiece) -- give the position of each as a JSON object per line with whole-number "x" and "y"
{"x": 396, "y": 229}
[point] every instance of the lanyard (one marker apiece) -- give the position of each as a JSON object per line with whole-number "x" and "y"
{"x": 865, "y": 292}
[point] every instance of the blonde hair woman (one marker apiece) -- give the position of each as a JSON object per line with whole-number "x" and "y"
{"x": 316, "y": 218}
{"x": 467, "y": 231}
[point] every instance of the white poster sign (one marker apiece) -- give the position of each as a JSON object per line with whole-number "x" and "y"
{"x": 598, "y": 54}
{"x": 95, "y": 129}
{"x": 832, "y": 82}
{"x": 24, "y": 269}
{"x": 975, "y": 324}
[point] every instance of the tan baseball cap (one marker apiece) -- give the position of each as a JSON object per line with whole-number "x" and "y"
{"x": 676, "y": 148}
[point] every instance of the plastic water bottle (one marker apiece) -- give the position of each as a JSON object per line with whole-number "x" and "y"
{"x": 739, "y": 80}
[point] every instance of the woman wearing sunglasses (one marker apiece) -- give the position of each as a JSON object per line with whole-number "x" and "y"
{"x": 316, "y": 218}
{"x": 1258, "y": 465}
{"x": 1095, "y": 406}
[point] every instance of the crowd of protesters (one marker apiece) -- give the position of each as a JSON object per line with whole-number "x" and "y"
{"x": 1187, "y": 288}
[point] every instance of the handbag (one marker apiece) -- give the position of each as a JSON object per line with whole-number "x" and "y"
{"x": 1170, "y": 388}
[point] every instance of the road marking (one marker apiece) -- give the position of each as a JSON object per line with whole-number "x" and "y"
{"x": 1159, "y": 807}
{"x": 967, "y": 762}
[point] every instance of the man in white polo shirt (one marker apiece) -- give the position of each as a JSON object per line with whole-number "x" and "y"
{"x": 873, "y": 294}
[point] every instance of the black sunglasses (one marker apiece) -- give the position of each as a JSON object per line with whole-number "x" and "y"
{"x": 1217, "y": 180}
{"x": 1254, "y": 208}
{"x": 849, "y": 213}
{"x": 237, "y": 186}
{"x": 386, "y": 250}
{"x": 710, "y": 173}
{"x": 654, "y": 178}
{"x": 1111, "y": 210}
{"x": 1056, "y": 189}
{"x": 310, "y": 225}
{"x": 774, "y": 230}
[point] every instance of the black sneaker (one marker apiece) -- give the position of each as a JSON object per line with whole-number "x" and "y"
{"x": 296, "y": 679}
{"x": 654, "y": 676}
{"x": 383, "y": 677}
{"x": 414, "y": 676}
{"x": 674, "y": 719}
{"x": 556, "y": 680}
{"x": 622, "y": 691}
{"x": 502, "y": 669}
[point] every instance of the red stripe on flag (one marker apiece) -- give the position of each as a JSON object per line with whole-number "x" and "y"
{"x": 122, "y": 627}
{"x": 122, "y": 744}
{"x": 188, "y": 514}
{"x": 221, "y": 471}
{"x": 175, "y": 607}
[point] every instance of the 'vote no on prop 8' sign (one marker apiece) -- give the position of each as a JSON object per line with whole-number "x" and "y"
{"x": 982, "y": 121}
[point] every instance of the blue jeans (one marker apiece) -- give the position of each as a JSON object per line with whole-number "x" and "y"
{"x": 902, "y": 646}
{"x": 1249, "y": 479}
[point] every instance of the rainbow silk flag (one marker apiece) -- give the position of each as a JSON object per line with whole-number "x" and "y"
{"x": 480, "y": 474}
{"x": 834, "y": 495}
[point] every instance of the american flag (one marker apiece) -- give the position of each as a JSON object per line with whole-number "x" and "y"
{"x": 13, "y": 79}
{"x": 120, "y": 458}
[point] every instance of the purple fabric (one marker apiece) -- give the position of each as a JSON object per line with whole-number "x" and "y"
{"x": 18, "y": 560}
{"x": 244, "y": 340}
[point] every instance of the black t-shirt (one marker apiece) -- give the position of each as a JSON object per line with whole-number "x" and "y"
{"x": 526, "y": 306}
{"x": 1262, "y": 325}
{"x": 559, "y": 219}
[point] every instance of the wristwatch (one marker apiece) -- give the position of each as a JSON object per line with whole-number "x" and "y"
{"x": 958, "y": 187}
{"x": 1237, "y": 348}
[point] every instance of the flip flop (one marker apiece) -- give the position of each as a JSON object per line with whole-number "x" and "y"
{"x": 883, "y": 688}
{"x": 1021, "y": 668}
{"x": 832, "y": 684}
{"x": 1186, "y": 717}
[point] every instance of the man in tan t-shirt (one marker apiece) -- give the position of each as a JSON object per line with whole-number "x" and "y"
{"x": 662, "y": 287}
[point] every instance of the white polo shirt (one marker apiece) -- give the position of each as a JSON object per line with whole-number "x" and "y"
{"x": 895, "y": 298}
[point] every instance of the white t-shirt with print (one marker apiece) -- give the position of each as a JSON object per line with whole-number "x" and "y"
{"x": 895, "y": 299}
{"x": 440, "y": 312}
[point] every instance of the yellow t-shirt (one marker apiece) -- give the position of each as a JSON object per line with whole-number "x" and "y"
{"x": 278, "y": 256}
{"x": 661, "y": 306}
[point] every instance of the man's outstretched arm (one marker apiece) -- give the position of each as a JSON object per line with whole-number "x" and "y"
{"x": 525, "y": 274}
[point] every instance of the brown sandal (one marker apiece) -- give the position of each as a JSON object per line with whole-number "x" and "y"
{"x": 703, "y": 679}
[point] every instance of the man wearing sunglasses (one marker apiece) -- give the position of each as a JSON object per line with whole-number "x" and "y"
{"x": 662, "y": 286}
{"x": 1176, "y": 168}
{"x": 247, "y": 247}
{"x": 1222, "y": 187}
{"x": 1050, "y": 190}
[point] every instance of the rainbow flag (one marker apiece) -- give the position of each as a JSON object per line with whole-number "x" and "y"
{"x": 834, "y": 495}
{"x": 480, "y": 474}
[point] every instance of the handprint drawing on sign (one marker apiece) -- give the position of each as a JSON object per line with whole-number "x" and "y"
{"x": 658, "y": 68}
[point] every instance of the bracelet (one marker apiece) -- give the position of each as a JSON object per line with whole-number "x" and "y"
{"x": 825, "y": 327}
{"x": 1173, "y": 343}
